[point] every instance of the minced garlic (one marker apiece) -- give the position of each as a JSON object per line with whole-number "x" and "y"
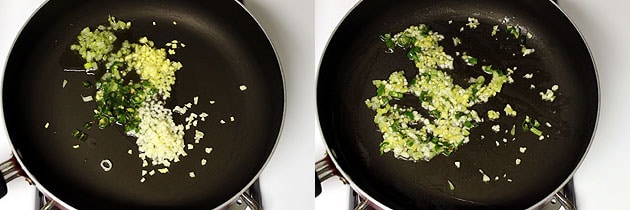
{"x": 158, "y": 137}
{"x": 485, "y": 178}
{"x": 493, "y": 115}
{"x": 198, "y": 135}
{"x": 496, "y": 128}
{"x": 163, "y": 170}
{"x": 548, "y": 95}
{"x": 509, "y": 111}
{"x": 472, "y": 22}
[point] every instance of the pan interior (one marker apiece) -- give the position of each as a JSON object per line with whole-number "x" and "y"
{"x": 225, "y": 48}
{"x": 356, "y": 56}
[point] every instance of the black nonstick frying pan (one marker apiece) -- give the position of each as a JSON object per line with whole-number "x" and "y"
{"x": 225, "y": 48}
{"x": 355, "y": 56}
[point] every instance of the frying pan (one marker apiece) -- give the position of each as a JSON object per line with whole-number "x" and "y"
{"x": 355, "y": 56}
{"x": 225, "y": 48}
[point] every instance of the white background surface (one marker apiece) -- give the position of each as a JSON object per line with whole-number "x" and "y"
{"x": 287, "y": 180}
{"x": 602, "y": 180}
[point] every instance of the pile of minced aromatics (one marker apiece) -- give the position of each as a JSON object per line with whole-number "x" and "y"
{"x": 410, "y": 135}
{"x": 137, "y": 106}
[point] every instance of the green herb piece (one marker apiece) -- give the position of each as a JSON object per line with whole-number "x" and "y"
{"x": 118, "y": 101}
{"x": 381, "y": 90}
{"x": 469, "y": 60}
{"x": 80, "y": 135}
{"x": 536, "y": 131}
{"x": 87, "y": 125}
{"x": 532, "y": 125}
{"x": 514, "y": 30}
{"x": 387, "y": 38}
{"x": 87, "y": 84}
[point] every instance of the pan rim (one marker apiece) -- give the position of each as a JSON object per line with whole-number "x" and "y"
{"x": 597, "y": 113}
{"x": 332, "y": 156}
{"x": 282, "y": 120}
{"x": 329, "y": 153}
{"x": 33, "y": 180}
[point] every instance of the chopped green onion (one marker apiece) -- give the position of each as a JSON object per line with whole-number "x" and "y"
{"x": 514, "y": 30}
{"x": 80, "y": 135}
{"x": 536, "y": 131}
{"x": 536, "y": 124}
{"x": 87, "y": 125}
{"x": 387, "y": 38}
{"x": 87, "y": 84}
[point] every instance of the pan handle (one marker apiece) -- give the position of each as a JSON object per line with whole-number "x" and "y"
{"x": 564, "y": 201}
{"x": 250, "y": 201}
{"x": 10, "y": 170}
{"x": 565, "y": 197}
{"x": 324, "y": 170}
{"x": 361, "y": 203}
{"x": 48, "y": 206}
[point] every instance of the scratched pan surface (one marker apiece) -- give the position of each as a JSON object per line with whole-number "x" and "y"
{"x": 355, "y": 56}
{"x": 225, "y": 48}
